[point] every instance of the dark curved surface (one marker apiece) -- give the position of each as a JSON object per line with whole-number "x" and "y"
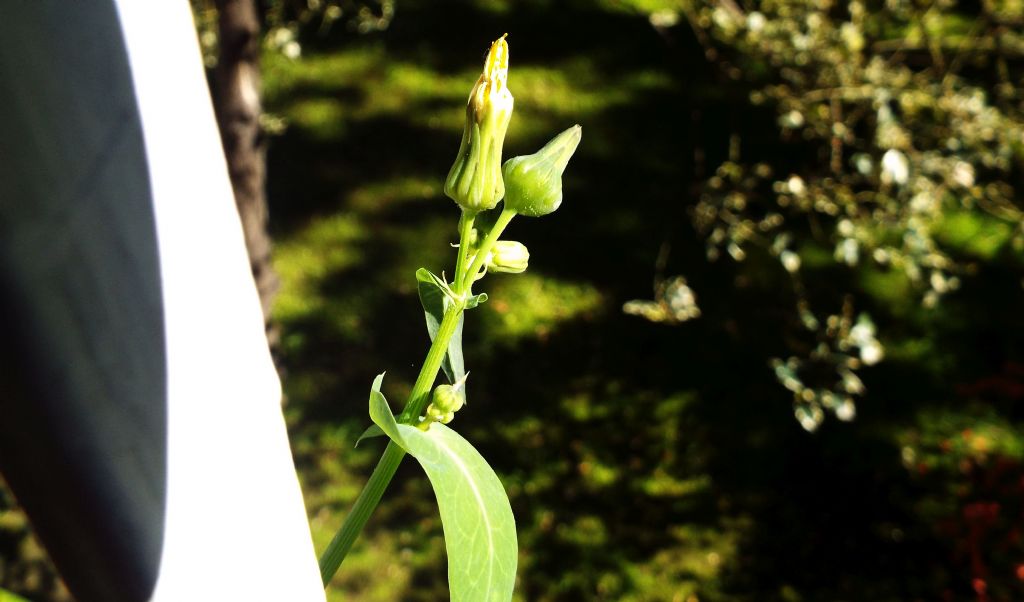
{"x": 83, "y": 424}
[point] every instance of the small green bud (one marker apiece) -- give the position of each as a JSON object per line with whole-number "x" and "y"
{"x": 508, "y": 256}
{"x": 434, "y": 414}
{"x": 474, "y": 181}
{"x": 446, "y": 399}
{"x": 533, "y": 183}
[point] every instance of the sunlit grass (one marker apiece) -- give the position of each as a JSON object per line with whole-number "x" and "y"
{"x": 531, "y": 305}
{"x": 689, "y": 569}
{"x": 323, "y": 74}
{"x": 323, "y": 118}
{"x": 323, "y": 250}
{"x": 322, "y": 93}
{"x": 427, "y": 243}
{"x": 389, "y": 195}
{"x": 574, "y": 89}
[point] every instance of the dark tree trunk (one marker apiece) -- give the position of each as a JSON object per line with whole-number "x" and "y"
{"x": 236, "y": 94}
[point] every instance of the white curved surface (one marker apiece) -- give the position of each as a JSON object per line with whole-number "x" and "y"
{"x": 236, "y": 527}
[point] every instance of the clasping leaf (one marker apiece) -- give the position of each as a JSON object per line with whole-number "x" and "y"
{"x": 479, "y": 529}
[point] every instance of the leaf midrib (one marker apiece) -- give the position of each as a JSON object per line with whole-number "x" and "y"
{"x": 480, "y": 502}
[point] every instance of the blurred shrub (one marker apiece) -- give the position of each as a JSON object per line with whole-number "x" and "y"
{"x": 288, "y": 22}
{"x": 24, "y": 566}
{"x": 905, "y": 124}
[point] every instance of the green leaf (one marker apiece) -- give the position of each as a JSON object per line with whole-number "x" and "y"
{"x": 377, "y": 382}
{"x": 479, "y": 529}
{"x": 475, "y": 300}
{"x": 380, "y": 414}
{"x": 373, "y": 430}
{"x": 435, "y": 300}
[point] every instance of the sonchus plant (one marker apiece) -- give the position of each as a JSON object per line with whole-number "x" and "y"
{"x": 479, "y": 528}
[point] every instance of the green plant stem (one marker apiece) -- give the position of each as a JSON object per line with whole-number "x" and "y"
{"x": 485, "y": 247}
{"x": 370, "y": 496}
{"x": 465, "y": 229}
{"x": 365, "y": 504}
{"x": 420, "y": 395}
{"x": 417, "y": 402}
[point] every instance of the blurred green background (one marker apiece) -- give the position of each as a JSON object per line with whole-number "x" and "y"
{"x": 837, "y": 182}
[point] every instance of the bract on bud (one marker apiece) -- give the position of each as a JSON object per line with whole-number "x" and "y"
{"x": 533, "y": 183}
{"x": 474, "y": 181}
{"x": 508, "y": 256}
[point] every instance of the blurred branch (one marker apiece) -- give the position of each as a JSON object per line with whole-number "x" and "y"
{"x": 236, "y": 93}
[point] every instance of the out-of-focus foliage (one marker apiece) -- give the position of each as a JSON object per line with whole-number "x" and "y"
{"x": 905, "y": 124}
{"x": 288, "y": 22}
{"x": 968, "y": 465}
{"x": 24, "y": 565}
{"x": 291, "y": 21}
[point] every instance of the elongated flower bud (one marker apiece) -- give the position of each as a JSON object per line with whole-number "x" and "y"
{"x": 474, "y": 181}
{"x": 508, "y": 256}
{"x": 533, "y": 183}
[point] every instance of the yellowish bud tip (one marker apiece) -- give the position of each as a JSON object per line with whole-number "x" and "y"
{"x": 492, "y": 85}
{"x": 496, "y": 65}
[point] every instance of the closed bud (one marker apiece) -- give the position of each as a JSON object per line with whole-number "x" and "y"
{"x": 446, "y": 399}
{"x": 508, "y": 256}
{"x": 474, "y": 181}
{"x": 433, "y": 414}
{"x": 533, "y": 183}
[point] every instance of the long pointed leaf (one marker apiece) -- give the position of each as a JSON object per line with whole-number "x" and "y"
{"x": 479, "y": 529}
{"x": 373, "y": 430}
{"x": 432, "y": 297}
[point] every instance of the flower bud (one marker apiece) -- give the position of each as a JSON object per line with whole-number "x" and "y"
{"x": 435, "y": 414}
{"x": 533, "y": 183}
{"x": 474, "y": 181}
{"x": 446, "y": 399}
{"x": 508, "y": 256}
